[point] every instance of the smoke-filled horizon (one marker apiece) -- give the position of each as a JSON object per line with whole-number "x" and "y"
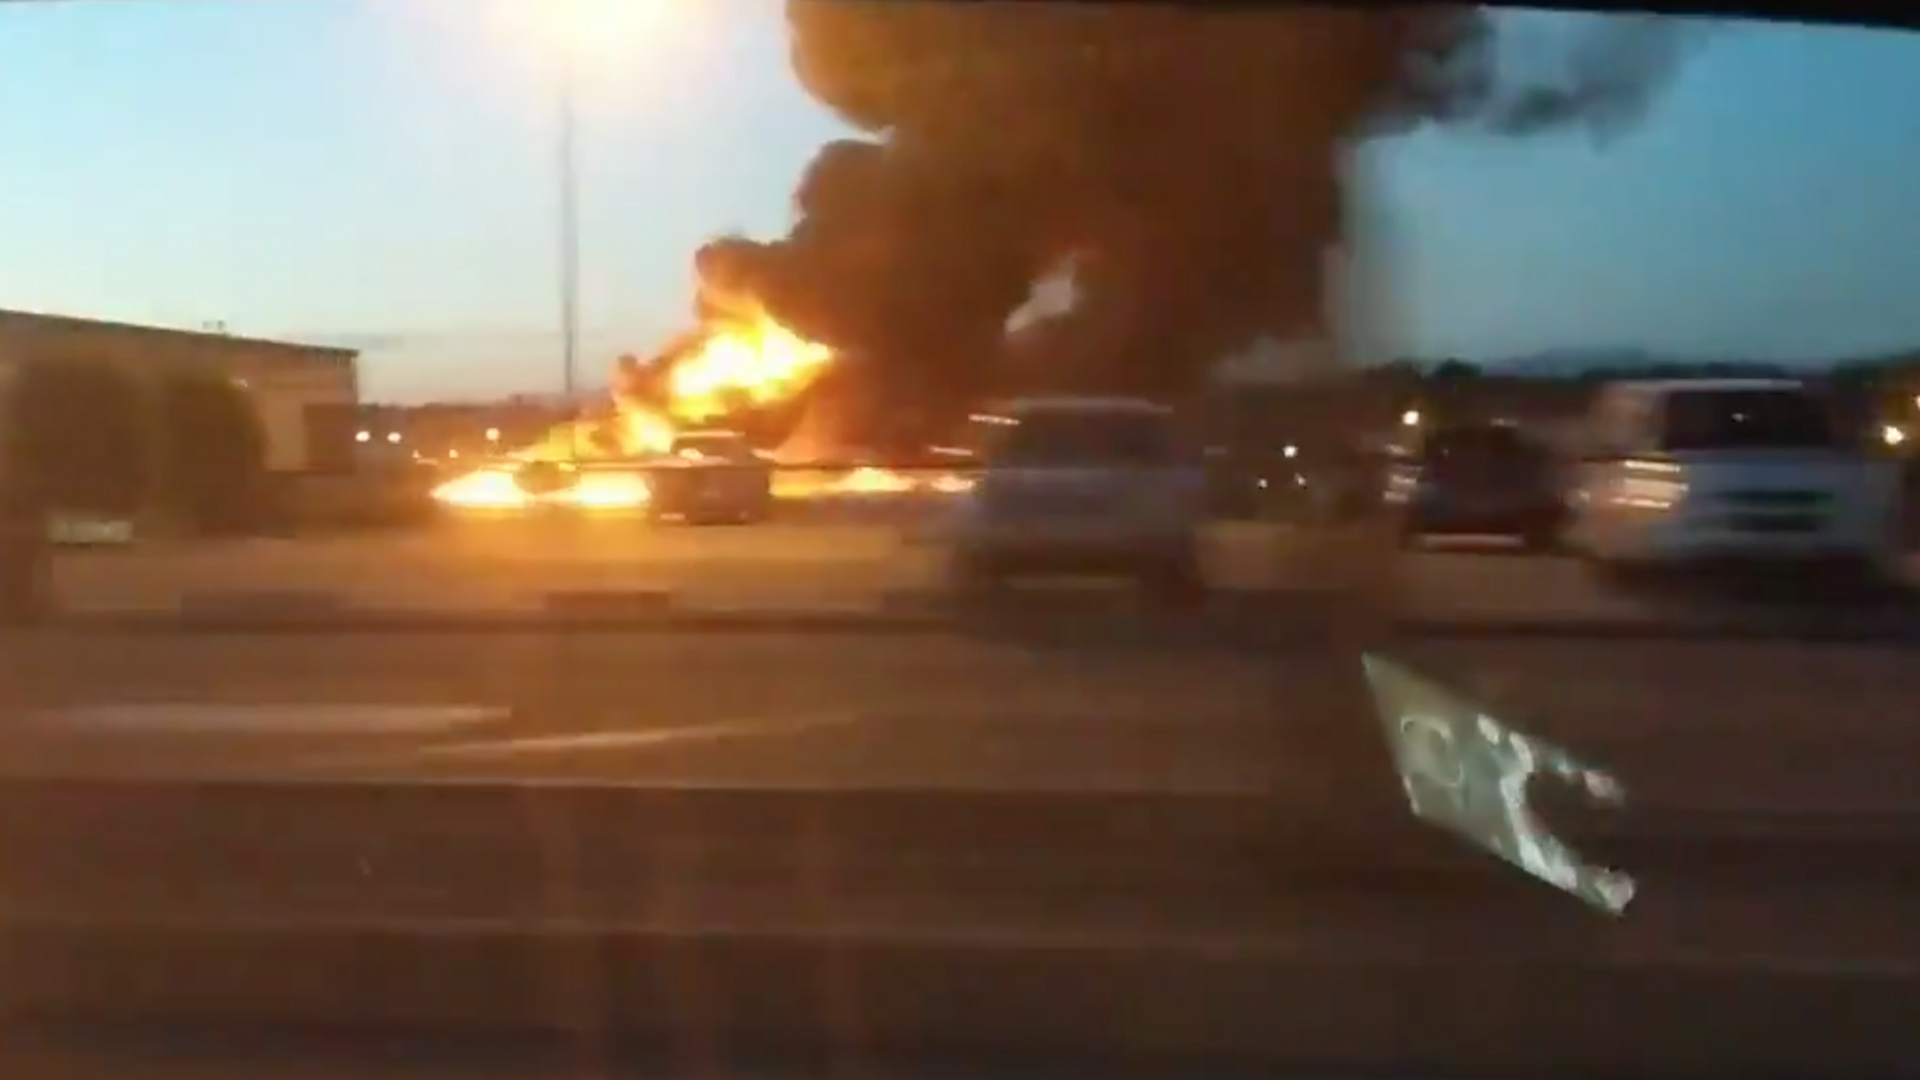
{"x": 1187, "y": 166}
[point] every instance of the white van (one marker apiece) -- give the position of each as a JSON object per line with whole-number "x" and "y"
{"x": 1675, "y": 471}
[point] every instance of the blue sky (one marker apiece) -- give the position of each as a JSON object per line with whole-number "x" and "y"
{"x": 382, "y": 172}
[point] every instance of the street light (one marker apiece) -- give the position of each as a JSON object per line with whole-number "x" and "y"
{"x": 567, "y": 148}
{"x": 593, "y": 34}
{"x": 573, "y": 43}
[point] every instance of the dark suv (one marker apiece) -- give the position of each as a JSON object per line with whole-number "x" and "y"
{"x": 1482, "y": 479}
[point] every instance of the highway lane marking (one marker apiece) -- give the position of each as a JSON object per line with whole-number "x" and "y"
{"x": 591, "y": 741}
{"x": 275, "y": 718}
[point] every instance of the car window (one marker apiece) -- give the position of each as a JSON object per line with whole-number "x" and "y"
{"x": 1087, "y": 438}
{"x": 1745, "y": 419}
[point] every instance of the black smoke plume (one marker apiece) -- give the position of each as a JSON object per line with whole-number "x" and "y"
{"x": 1184, "y": 163}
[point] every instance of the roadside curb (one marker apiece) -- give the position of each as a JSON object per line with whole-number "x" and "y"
{"x": 1254, "y": 618}
{"x": 1901, "y": 628}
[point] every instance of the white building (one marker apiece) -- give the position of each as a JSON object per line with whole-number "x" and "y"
{"x": 298, "y": 389}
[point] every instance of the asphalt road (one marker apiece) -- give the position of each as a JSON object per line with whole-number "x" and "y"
{"x": 1694, "y": 724}
{"x": 1698, "y": 726}
{"x": 494, "y": 566}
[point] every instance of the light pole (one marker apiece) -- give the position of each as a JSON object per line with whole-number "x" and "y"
{"x": 569, "y": 250}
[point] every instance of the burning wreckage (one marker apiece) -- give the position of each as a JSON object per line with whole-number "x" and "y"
{"x": 742, "y": 370}
{"x": 1183, "y": 176}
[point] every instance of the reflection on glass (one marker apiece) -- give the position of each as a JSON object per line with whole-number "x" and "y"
{"x": 1470, "y": 774}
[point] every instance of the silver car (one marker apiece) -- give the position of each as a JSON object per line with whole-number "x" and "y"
{"x": 1084, "y": 486}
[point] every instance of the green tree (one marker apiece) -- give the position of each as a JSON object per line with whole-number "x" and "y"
{"x": 1454, "y": 371}
{"x": 215, "y": 452}
{"x": 77, "y": 433}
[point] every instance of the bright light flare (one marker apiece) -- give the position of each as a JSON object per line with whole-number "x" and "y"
{"x": 757, "y": 361}
{"x": 585, "y": 26}
{"x": 487, "y": 489}
{"x": 871, "y": 481}
{"x": 493, "y": 489}
{"x": 608, "y": 491}
{"x": 592, "y": 36}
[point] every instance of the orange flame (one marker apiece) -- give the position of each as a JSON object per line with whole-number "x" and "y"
{"x": 747, "y": 358}
{"x": 755, "y": 361}
{"x": 743, "y": 358}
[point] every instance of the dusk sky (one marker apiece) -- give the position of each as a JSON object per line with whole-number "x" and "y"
{"x": 382, "y": 173}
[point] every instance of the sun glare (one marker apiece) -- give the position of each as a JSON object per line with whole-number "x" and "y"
{"x": 590, "y": 33}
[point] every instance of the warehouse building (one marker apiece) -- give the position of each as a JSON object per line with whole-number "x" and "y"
{"x": 306, "y": 395}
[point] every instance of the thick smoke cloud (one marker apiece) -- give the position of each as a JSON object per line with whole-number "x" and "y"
{"x": 1536, "y": 72}
{"x": 1182, "y": 164}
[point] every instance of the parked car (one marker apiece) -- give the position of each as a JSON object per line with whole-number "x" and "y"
{"x": 1079, "y": 486}
{"x": 1731, "y": 469}
{"x": 1481, "y": 479}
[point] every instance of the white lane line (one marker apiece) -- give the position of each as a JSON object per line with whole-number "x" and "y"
{"x": 586, "y": 742}
{"x": 297, "y": 718}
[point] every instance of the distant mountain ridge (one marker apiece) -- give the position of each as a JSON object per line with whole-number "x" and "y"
{"x": 1569, "y": 362}
{"x": 1574, "y": 362}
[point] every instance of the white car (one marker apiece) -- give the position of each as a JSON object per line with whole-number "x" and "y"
{"x": 1678, "y": 471}
{"x": 712, "y": 477}
{"x": 1084, "y": 486}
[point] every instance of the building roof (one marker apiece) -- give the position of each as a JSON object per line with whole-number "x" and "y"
{"x": 205, "y": 337}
